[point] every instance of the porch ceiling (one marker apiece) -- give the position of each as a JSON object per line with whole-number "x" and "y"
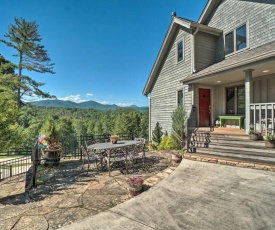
{"x": 259, "y": 70}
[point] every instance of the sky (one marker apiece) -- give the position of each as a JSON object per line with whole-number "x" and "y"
{"x": 103, "y": 50}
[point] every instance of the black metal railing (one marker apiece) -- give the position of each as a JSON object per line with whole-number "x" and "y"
{"x": 191, "y": 126}
{"x": 71, "y": 148}
{"x": 14, "y": 167}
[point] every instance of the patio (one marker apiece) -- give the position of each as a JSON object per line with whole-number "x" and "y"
{"x": 68, "y": 194}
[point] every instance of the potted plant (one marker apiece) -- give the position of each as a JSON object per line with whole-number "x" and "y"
{"x": 53, "y": 150}
{"x": 114, "y": 138}
{"x": 269, "y": 141}
{"x": 135, "y": 185}
{"x": 254, "y": 135}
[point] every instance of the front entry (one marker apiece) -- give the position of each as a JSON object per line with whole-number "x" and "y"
{"x": 204, "y": 107}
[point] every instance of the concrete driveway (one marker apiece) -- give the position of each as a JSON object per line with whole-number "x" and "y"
{"x": 197, "y": 195}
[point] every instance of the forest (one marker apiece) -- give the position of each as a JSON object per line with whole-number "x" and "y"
{"x": 73, "y": 123}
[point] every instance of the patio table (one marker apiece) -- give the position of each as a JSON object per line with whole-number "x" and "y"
{"x": 109, "y": 148}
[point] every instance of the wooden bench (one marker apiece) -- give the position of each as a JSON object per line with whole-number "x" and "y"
{"x": 240, "y": 119}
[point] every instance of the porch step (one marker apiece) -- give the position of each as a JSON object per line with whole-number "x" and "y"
{"x": 240, "y": 155}
{"x": 251, "y": 163}
{"x": 233, "y": 149}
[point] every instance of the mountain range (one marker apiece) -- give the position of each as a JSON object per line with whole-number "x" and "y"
{"x": 84, "y": 105}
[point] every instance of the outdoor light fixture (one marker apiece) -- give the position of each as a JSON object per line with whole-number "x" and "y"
{"x": 218, "y": 81}
{"x": 266, "y": 71}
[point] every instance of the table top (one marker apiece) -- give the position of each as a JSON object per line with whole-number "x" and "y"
{"x": 109, "y": 145}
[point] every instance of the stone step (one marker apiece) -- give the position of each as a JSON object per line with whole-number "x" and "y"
{"x": 230, "y": 135}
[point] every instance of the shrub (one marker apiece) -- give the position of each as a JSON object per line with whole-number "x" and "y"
{"x": 162, "y": 144}
{"x": 157, "y": 134}
{"x": 167, "y": 143}
{"x": 179, "y": 127}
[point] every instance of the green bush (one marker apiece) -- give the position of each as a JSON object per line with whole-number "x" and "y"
{"x": 167, "y": 143}
{"x": 162, "y": 144}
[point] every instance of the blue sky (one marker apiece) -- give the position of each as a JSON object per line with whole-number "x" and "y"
{"x": 103, "y": 50}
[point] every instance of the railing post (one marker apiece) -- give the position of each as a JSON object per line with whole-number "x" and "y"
{"x": 10, "y": 170}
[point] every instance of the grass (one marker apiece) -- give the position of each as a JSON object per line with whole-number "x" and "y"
{"x": 17, "y": 165}
{"x": 12, "y": 156}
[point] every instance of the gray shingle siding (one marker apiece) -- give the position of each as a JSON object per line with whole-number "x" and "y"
{"x": 258, "y": 14}
{"x": 164, "y": 92}
{"x": 205, "y": 50}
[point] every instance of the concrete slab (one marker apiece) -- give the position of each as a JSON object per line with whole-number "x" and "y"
{"x": 197, "y": 195}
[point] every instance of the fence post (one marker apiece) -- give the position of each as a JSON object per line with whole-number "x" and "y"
{"x": 10, "y": 170}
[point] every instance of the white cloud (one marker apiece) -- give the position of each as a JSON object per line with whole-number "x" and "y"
{"x": 89, "y": 94}
{"x": 75, "y": 98}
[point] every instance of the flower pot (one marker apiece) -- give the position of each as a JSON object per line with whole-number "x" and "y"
{"x": 52, "y": 157}
{"x": 270, "y": 144}
{"x": 176, "y": 158}
{"x": 254, "y": 136}
{"x": 134, "y": 191}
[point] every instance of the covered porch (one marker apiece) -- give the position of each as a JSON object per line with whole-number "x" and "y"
{"x": 240, "y": 85}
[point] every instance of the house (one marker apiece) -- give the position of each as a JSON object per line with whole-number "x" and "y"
{"x": 224, "y": 64}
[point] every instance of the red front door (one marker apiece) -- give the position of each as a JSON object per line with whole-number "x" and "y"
{"x": 204, "y": 107}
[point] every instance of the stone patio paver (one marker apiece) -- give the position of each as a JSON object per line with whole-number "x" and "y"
{"x": 69, "y": 194}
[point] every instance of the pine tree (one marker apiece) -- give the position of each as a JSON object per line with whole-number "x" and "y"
{"x": 23, "y": 36}
{"x": 179, "y": 126}
{"x": 157, "y": 134}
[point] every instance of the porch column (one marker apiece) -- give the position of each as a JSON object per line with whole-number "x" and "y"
{"x": 248, "y": 91}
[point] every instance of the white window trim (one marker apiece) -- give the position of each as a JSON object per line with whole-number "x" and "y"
{"x": 234, "y": 38}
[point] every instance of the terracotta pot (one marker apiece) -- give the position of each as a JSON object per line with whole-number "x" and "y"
{"x": 270, "y": 144}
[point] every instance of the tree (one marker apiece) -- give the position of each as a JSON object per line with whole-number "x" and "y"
{"x": 8, "y": 109}
{"x": 179, "y": 126}
{"x": 157, "y": 134}
{"x": 23, "y": 36}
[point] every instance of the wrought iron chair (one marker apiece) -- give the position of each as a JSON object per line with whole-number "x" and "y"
{"x": 138, "y": 152}
{"x": 92, "y": 156}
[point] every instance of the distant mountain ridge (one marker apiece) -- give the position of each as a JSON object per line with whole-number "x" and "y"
{"x": 84, "y": 105}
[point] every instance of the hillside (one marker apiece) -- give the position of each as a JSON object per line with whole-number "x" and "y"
{"x": 84, "y": 105}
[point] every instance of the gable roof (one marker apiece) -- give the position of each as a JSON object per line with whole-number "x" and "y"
{"x": 210, "y": 6}
{"x": 173, "y": 28}
{"x": 239, "y": 60}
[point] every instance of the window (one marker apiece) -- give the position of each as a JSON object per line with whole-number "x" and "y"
{"x": 235, "y": 98}
{"x": 229, "y": 43}
{"x": 241, "y": 37}
{"x": 180, "y": 97}
{"x": 180, "y": 51}
{"x": 235, "y": 40}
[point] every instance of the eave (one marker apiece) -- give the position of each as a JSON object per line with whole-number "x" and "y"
{"x": 175, "y": 23}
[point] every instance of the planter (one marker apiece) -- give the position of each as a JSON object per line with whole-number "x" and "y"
{"x": 134, "y": 191}
{"x": 114, "y": 140}
{"x": 270, "y": 144}
{"x": 52, "y": 157}
{"x": 254, "y": 136}
{"x": 176, "y": 158}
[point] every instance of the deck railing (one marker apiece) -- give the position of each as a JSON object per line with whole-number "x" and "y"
{"x": 191, "y": 126}
{"x": 262, "y": 117}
